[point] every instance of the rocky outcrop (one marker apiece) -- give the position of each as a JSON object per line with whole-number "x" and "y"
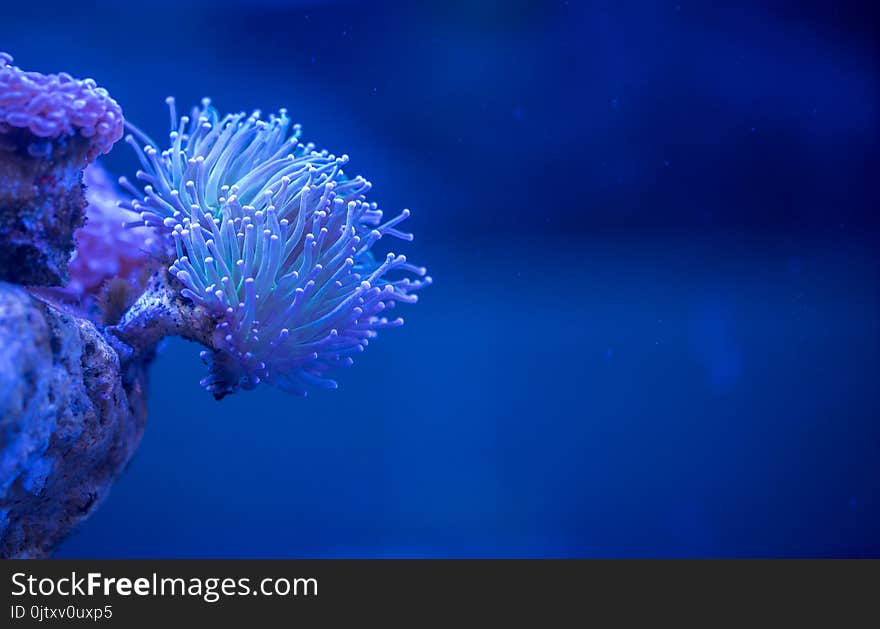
{"x": 71, "y": 417}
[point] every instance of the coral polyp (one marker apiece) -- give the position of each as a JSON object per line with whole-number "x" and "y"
{"x": 54, "y": 105}
{"x": 51, "y": 127}
{"x": 271, "y": 241}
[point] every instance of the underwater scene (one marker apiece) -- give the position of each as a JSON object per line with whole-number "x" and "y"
{"x": 514, "y": 279}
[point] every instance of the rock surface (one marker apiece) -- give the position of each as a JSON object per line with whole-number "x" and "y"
{"x": 42, "y": 203}
{"x": 71, "y": 417}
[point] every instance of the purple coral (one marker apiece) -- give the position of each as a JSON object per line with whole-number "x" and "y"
{"x": 54, "y": 105}
{"x": 105, "y": 249}
{"x": 51, "y": 127}
{"x": 272, "y": 243}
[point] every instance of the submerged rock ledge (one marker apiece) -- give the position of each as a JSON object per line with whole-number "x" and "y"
{"x": 71, "y": 417}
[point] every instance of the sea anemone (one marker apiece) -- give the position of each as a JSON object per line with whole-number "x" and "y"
{"x": 270, "y": 243}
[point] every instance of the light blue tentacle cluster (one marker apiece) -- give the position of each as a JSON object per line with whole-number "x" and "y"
{"x": 274, "y": 241}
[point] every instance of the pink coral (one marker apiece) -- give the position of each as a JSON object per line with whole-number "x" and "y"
{"x": 105, "y": 248}
{"x": 53, "y": 105}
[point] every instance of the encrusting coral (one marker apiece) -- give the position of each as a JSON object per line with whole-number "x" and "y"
{"x": 51, "y": 126}
{"x": 53, "y": 106}
{"x": 271, "y": 265}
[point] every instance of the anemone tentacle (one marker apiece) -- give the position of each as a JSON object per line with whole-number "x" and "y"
{"x": 273, "y": 240}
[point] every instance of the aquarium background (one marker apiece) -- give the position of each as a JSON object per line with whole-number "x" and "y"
{"x": 655, "y": 324}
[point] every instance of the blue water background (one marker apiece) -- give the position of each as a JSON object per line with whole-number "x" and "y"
{"x": 655, "y": 328}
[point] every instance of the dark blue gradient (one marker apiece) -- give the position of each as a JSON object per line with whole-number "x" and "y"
{"x": 655, "y": 327}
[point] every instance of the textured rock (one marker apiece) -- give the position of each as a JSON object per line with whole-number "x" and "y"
{"x": 41, "y": 205}
{"x": 71, "y": 417}
{"x": 72, "y": 402}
